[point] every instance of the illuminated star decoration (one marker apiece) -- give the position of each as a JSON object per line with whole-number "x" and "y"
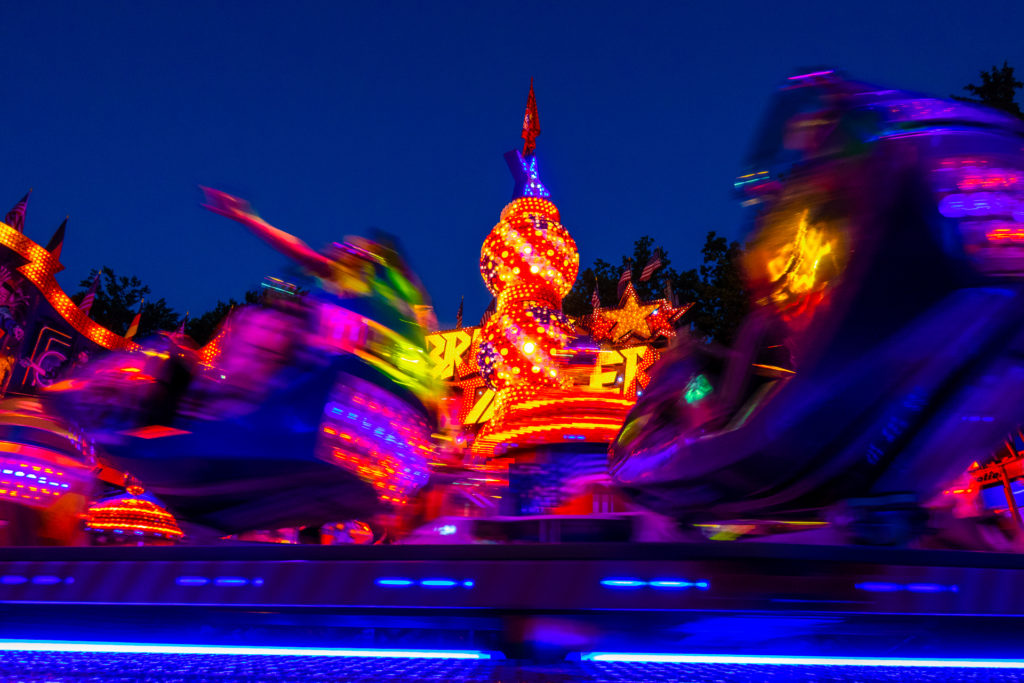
{"x": 644, "y": 322}
{"x": 631, "y": 317}
{"x": 662, "y": 320}
{"x": 600, "y": 327}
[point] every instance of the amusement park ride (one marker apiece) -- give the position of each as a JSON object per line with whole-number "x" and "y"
{"x": 457, "y": 470}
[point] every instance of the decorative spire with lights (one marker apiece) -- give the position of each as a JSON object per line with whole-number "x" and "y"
{"x": 529, "y": 263}
{"x": 56, "y": 243}
{"x": 16, "y": 216}
{"x": 523, "y": 165}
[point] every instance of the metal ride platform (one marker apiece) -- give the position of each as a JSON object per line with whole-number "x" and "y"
{"x": 601, "y": 611}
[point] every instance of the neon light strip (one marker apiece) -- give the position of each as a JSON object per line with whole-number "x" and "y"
{"x": 429, "y": 583}
{"x": 803, "y": 661}
{"x": 147, "y": 648}
{"x": 662, "y": 583}
{"x": 811, "y": 75}
{"x": 394, "y": 582}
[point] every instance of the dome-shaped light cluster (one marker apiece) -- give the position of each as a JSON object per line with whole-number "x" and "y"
{"x": 132, "y": 514}
{"x": 529, "y": 263}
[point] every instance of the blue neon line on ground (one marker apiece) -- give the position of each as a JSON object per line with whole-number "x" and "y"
{"x": 161, "y": 648}
{"x": 654, "y": 657}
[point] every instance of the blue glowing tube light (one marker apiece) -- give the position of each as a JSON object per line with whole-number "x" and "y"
{"x": 152, "y": 648}
{"x": 671, "y": 584}
{"x": 802, "y": 661}
{"x": 427, "y": 583}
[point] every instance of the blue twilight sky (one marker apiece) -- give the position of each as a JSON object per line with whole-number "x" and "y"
{"x": 332, "y": 117}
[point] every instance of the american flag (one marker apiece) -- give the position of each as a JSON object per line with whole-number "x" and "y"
{"x": 16, "y": 216}
{"x": 627, "y": 275}
{"x": 133, "y": 329}
{"x": 458, "y": 316}
{"x": 90, "y": 296}
{"x": 595, "y": 300}
{"x": 652, "y": 265}
{"x": 489, "y": 311}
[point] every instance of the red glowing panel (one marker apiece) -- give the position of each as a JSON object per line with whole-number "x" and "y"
{"x": 1006, "y": 234}
{"x": 154, "y": 432}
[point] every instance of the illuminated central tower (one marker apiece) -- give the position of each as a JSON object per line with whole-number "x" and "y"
{"x": 529, "y": 262}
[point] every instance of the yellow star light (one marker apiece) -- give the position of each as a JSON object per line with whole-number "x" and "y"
{"x": 630, "y": 317}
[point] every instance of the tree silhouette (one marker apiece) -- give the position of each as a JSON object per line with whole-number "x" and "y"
{"x": 998, "y": 90}
{"x": 202, "y": 328}
{"x": 117, "y": 302}
{"x": 720, "y": 298}
{"x": 716, "y": 288}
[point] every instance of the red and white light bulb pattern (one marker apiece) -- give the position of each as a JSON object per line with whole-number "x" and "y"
{"x": 529, "y": 263}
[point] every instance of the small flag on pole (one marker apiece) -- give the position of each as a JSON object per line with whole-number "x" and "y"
{"x": 133, "y": 329}
{"x": 90, "y": 296}
{"x": 624, "y": 279}
{"x": 595, "y": 300}
{"x": 458, "y": 316}
{"x": 489, "y": 311}
{"x": 16, "y": 216}
{"x": 531, "y": 124}
{"x": 652, "y": 265}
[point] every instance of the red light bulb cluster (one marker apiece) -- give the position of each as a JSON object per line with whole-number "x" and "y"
{"x": 529, "y": 263}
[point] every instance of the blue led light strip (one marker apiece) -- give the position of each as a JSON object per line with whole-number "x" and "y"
{"x": 428, "y": 583}
{"x": 888, "y": 587}
{"x": 676, "y": 584}
{"x": 153, "y": 648}
{"x": 803, "y": 661}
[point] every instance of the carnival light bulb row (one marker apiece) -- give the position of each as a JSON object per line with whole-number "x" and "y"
{"x": 529, "y": 263}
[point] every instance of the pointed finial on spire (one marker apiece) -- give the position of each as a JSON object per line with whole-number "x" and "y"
{"x": 16, "y": 216}
{"x": 133, "y": 485}
{"x": 180, "y": 332}
{"x": 56, "y": 243}
{"x": 531, "y": 124}
{"x": 133, "y": 328}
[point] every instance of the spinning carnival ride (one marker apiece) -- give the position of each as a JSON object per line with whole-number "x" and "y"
{"x": 880, "y": 356}
{"x": 884, "y": 352}
{"x": 311, "y": 409}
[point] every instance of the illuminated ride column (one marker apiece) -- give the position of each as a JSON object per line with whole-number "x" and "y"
{"x": 541, "y": 422}
{"x": 529, "y": 263}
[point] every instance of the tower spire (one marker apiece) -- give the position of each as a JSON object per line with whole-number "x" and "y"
{"x": 56, "y": 243}
{"x": 524, "y": 164}
{"x": 16, "y": 216}
{"x": 531, "y": 124}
